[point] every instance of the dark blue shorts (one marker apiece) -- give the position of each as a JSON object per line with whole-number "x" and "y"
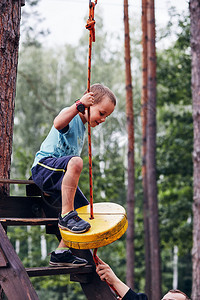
{"x": 48, "y": 175}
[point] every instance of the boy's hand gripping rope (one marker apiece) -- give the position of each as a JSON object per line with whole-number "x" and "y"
{"x": 90, "y": 26}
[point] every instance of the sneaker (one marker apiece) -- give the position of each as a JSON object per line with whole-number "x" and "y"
{"x": 72, "y": 222}
{"x": 66, "y": 259}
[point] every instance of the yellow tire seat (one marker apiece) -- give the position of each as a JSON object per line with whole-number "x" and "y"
{"x": 109, "y": 224}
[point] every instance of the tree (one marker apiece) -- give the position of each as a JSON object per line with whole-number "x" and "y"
{"x": 195, "y": 48}
{"x": 144, "y": 100}
{"x": 130, "y": 130}
{"x": 9, "y": 40}
{"x": 151, "y": 157}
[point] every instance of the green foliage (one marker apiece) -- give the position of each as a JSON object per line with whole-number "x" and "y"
{"x": 174, "y": 155}
{"x": 31, "y": 32}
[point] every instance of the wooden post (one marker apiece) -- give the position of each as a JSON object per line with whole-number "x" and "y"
{"x": 13, "y": 276}
{"x": 95, "y": 289}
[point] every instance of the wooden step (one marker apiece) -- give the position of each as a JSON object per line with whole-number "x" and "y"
{"x": 46, "y": 271}
{"x": 28, "y": 221}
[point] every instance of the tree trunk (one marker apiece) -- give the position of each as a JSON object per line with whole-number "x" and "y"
{"x": 195, "y": 49}
{"x": 151, "y": 157}
{"x": 144, "y": 100}
{"x": 175, "y": 268}
{"x": 10, "y": 14}
{"x": 130, "y": 129}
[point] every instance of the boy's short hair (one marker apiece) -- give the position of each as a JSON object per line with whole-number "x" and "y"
{"x": 100, "y": 91}
{"x": 179, "y": 292}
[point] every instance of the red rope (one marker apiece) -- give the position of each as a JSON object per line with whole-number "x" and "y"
{"x": 90, "y": 26}
{"x": 95, "y": 258}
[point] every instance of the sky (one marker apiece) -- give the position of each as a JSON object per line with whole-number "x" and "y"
{"x": 66, "y": 19}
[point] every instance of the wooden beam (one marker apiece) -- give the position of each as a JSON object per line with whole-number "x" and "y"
{"x": 24, "y": 222}
{"x": 95, "y": 289}
{"x": 14, "y": 279}
{"x": 3, "y": 259}
{"x": 16, "y": 181}
{"x": 46, "y": 271}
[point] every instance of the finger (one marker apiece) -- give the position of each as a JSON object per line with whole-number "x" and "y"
{"x": 101, "y": 272}
{"x": 101, "y": 261}
{"x": 100, "y": 268}
{"x": 103, "y": 277}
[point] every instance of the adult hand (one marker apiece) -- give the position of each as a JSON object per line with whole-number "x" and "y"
{"x": 105, "y": 272}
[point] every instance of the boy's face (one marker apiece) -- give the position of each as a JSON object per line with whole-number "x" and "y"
{"x": 173, "y": 296}
{"x": 100, "y": 111}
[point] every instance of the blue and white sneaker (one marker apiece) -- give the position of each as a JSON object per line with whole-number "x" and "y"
{"x": 66, "y": 259}
{"x": 73, "y": 223}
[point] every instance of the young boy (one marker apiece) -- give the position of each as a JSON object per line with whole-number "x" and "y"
{"x": 57, "y": 165}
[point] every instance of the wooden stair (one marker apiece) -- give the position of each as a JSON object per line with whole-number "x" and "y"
{"x": 47, "y": 271}
{"x": 33, "y": 209}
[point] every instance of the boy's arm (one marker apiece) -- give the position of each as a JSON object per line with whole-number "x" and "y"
{"x": 65, "y": 117}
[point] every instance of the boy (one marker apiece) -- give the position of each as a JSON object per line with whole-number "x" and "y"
{"x": 57, "y": 165}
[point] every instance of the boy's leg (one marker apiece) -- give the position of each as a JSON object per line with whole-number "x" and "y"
{"x": 69, "y": 218}
{"x": 70, "y": 183}
{"x": 68, "y": 189}
{"x": 48, "y": 175}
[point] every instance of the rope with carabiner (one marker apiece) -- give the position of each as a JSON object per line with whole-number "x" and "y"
{"x": 91, "y": 27}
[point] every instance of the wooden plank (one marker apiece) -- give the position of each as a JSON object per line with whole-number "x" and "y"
{"x": 33, "y": 190}
{"x": 46, "y": 271}
{"x": 21, "y": 207}
{"x": 81, "y": 278}
{"x": 24, "y": 222}
{"x": 14, "y": 279}
{"x": 3, "y": 259}
{"x": 16, "y": 181}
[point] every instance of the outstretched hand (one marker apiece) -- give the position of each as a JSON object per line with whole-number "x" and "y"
{"x": 105, "y": 272}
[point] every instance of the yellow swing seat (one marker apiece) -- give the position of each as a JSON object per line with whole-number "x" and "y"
{"x": 109, "y": 224}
